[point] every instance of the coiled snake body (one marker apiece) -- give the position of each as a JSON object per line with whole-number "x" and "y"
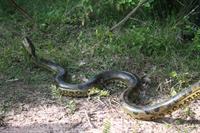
{"x": 132, "y": 81}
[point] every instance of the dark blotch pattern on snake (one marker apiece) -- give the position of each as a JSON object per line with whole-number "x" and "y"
{"x": 146, "y": 112}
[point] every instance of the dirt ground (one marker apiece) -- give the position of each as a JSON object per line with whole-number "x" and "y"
{"x": 40, "y": 114}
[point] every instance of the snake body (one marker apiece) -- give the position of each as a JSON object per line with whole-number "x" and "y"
{"x": 132, "y": 81}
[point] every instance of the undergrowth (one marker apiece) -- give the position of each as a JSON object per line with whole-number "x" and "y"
{"x": 79, "y": 39}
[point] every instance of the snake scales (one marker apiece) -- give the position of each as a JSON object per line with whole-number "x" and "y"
{"x": 147, "y": 112}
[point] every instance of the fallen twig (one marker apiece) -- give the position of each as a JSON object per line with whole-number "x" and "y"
{"x": 88, "y": 119}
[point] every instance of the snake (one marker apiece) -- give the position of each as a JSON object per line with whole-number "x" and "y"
{"x": 133, "y": 84}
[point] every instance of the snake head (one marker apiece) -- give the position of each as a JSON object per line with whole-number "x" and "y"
{"x": 28, "y": 45}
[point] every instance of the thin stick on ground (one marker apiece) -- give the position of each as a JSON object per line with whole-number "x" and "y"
{"x": 88, "y": 119}
{"x": 142, "y": 2}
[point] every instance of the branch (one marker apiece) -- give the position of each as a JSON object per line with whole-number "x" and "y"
{"x": 142, "y": 2}
{"x": 20, "y": 9}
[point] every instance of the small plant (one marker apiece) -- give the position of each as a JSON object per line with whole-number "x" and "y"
{"x": 179, "y": 121}
{"x": 55, "y": 92}
{"x": 180, "y": 80}
{"x": 106, "y": 126}
{"x": 188, "y": 112}
{"x": 100, "y": 92}
{"x": 71, "y": 105}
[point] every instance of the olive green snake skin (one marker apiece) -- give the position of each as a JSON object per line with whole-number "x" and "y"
{"x": 147, "y": 112}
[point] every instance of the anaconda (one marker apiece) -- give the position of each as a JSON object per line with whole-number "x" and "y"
{"x": 148, "y": 112}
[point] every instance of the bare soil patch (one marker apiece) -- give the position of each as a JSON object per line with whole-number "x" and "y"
{"x": 44, "y": 115}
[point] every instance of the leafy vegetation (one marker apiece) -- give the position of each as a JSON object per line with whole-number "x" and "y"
{"x": 163, "y": 43}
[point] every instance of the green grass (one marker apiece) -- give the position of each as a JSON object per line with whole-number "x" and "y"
{"x": 106, "y": 126}
{"x": 151, "y": 47}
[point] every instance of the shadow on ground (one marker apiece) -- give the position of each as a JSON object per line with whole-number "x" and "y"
{"x": 42, "y": 128}
{"x": 13, "y": 93}
{"x": 179, "y": 121}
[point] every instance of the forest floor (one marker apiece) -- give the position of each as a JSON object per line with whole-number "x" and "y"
{"x": 42, "y": 114}
{"x": 155, "y": 51}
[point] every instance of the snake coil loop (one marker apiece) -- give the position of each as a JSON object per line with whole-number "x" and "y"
{"x": 139, "y": 112}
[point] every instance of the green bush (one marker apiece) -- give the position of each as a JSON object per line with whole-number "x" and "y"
{"x": 197, "y": 41}
{"x": 106, "y": 10}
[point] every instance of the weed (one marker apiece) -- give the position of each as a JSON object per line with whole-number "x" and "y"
{"x": 188, "y": 112}
{"x": 67, "y": 37}
{"x": 106, "y": 126}
{"x": 71, "y": 105}
{"x": 55, "y": 92}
